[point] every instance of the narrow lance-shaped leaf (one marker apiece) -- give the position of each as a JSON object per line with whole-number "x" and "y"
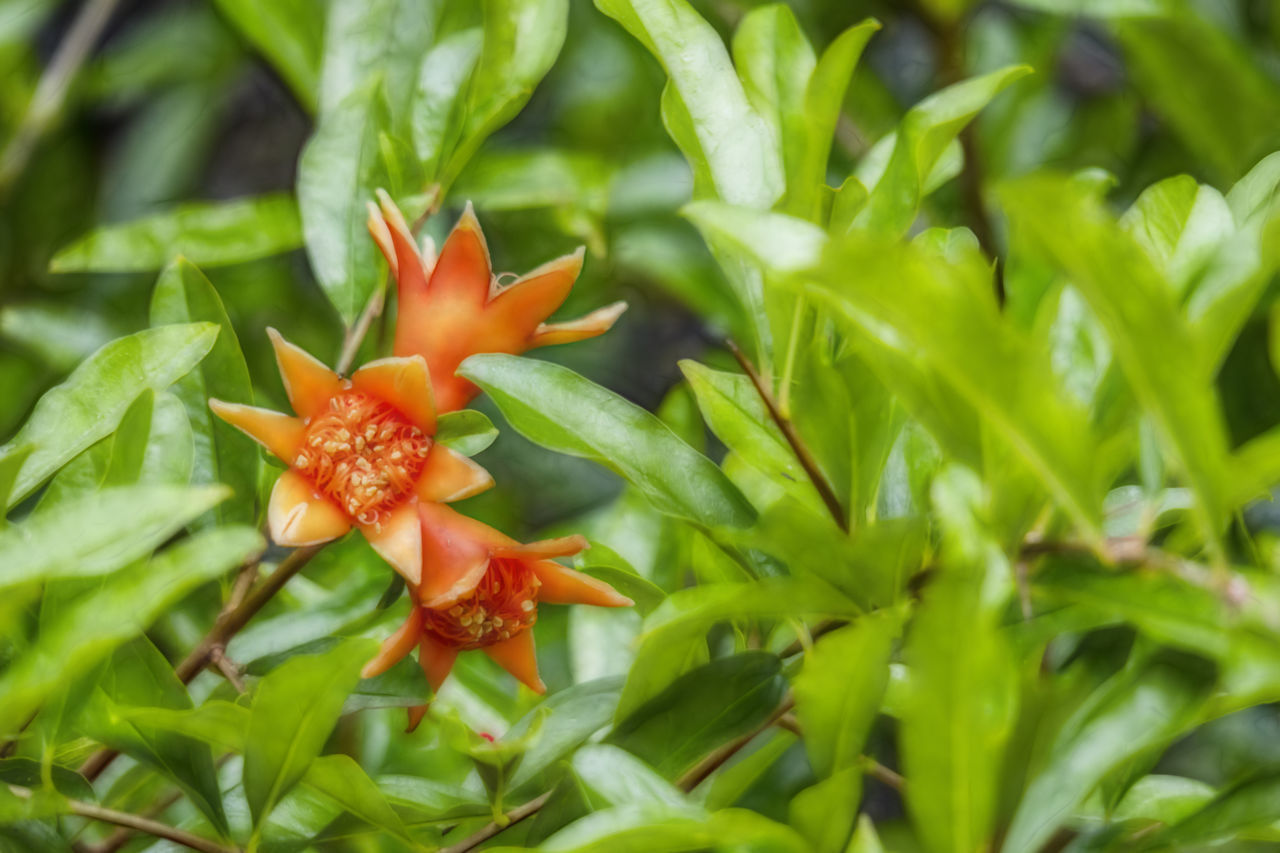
{"x": 1148, "y": 334}
{"x": 88, "y": 405}
{"x": 99, "y": 532}
{"x": 557, "y": 408}
{"x": 339, "y": 170}
{"x": 289, "y": 33}
{"x": 222, "y": 453}
{"x": 123, "y": 607}
{"x": 294, "y": 709}
{"x": 207, "y": 233}
{"x": 923, "y": 135}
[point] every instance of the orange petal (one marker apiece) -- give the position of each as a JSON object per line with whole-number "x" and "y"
{"x": 416, "y": 713}
{"x": 596, "y": 323}
{"x": 453, "y": 392}
{"x": 436, "y": 660}
{"x": 463, "y": 270}
{"x": 404, "y": 382}
{"x": 517, "y": 657}
{"x": 396, "y": 646}
{"x": 565, "y": 546}
{"x": 297, "y": 516}
{"x": 398, "y": 539}
{"x": 535, "y": 297}
{"x": 455, "y": 553}
{"x": 280, "y": 433}
{"x": 565, "y": 586}
{"x": 450, "y": 476}
{"x": 307, "y": 381}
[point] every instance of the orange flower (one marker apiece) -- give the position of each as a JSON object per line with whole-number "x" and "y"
{"x": 360, "y": 454}
{"x": 483, "y": 592}
{"x": 452, "y": 307}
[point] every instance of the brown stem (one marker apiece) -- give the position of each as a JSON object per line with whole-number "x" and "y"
{"x": 228, "y": 624}
{"x": 807, "y": 462}
{"x": 51, "y": 92}
{"x": 141, "y": 824}
{"x": 717, "y": 759}
{"x": 491, "y": 829}
{"x": 883, "y": 774}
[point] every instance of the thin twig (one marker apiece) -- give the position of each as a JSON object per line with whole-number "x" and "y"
{"x": 882, "y": 774}
{"x": 717, "y": 759}
{"x": 807, "y": 462}
{"x": 142, "y": 824}
{"x": 355, "y": 335}
{"x": 227, "y": 626}
{"x": 51, "y": 92}
{"x": 491, "y": 829}
{"x": 229, "y": 669}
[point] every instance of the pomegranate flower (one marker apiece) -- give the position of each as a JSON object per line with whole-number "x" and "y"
{"x": 360, "y": 454}
{"x": 452, "y": 307}
{"x": 483, "y": 592}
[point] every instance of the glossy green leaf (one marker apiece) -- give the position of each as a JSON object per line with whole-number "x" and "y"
{"x": 121, "y": 608}
{"x": 557, "y": 408}
{"x": 839, "y": 690}
{"x": 705, "y": 106}
{"x": 439, "y": 101}
{"x": 825, "y": 813}
{"x": 289, "y": 33}
{"x": 1141, "y": 707}
{"x": 223, "y": 454}
{"x": 211, "y": 234}
{"x": 521, "y": 41}
{"x": 702, "y": 710}
{"x": 926, "y": 131}
{"x": 653, "y": 828}
{"x": 294, "y": 709}
{"x": 467, "y": 431}
{"x": 386, "y": 37}
{"x": 919, "y": 308}
{"x": 339, "y": 170}
{"x": 1252, "y": 803}
{"x": 220, "y": 724}
{"x": 1147, "y": 332}
{"x": 139, "y": 675}
{"x": 99, "y": 532}
{"x": 961, "y": 700}
{"x": 342, "y": 779}
{"x": 89, "y": 404}
{"x": 1254, "y": 195}
{"x": 569, "y": 718}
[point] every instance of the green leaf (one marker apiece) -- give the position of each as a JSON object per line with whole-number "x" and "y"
{"x": 925, "y": 132}
{"x": 531, "y": 179}
{"x": 339, "y": 170}
{"x": 223, "y": 454}
{"x": 702, "y": 710}
{"x": 289, "y": 33}
{"x": 122, "y": 607}
{"x": 467, "y": 431}
{"x": 439, "y": 102}
{"x": 99, "y": 532}
{"x": 294, "y": 709}
{"x": 1201, "y": 81}
{"x": 705, "y": 107}
{"x": 342, "y": 779}
{"x": 1140, "y": 708}
{"x": 1255, "y": 194}
{"x": 556, "y": 408}
{"x": 11, "y": 464}
{"x": 839, "y": 690}
{"x": 363, "y": 38}
{"x": 782, "y": 244}
{"x": 220, "y": 724}
{"x": 212, "y": 234}
{"x": 140, "y": 675}
{"x": 522, "y": 39}
{"x": 824, "y": 813}
{"x": 89, "y": 404}
{"x": 655, "y": 828}
{"x": 1150, "y": 338}
{"x": 738, "y": 417}
{"x": 961, "y": 701}
{"x": 1253, "y": 803}
{"x": 568, "y": 719}
{"x": 918, "y": 307}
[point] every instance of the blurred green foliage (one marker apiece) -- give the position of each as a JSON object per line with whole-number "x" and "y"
{"x": 935, "y": 448}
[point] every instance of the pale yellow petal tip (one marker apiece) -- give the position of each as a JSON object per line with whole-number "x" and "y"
{"x": 468, "y": 219}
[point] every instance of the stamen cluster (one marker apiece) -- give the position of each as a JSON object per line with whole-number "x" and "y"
{"x": 503, "y": 604}
{"x": 363, "y": 455}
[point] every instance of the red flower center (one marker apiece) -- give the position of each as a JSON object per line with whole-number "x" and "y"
{"x": 363, "y": 455}
{"x": 503, "y": 604}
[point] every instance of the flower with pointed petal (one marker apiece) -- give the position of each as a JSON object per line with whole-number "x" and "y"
{"x": 451, "y": 306}
{"x": 482, "y": 592}
{"x": 360, "y": 454}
